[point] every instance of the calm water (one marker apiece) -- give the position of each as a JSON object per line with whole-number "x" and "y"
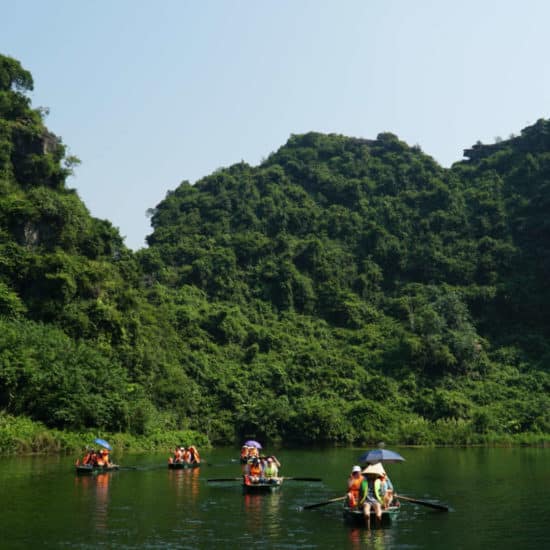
{"x": 499, "y": 499}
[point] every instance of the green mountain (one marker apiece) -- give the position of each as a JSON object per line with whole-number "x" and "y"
{"x": 343, "y": 291}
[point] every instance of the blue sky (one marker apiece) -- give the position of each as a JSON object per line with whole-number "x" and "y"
{"x": 150, "y": 93}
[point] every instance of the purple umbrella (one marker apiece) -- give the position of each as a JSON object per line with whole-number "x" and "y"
{"x": 252, "y": 443}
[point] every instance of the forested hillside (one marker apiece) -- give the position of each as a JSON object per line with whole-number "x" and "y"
{"x": 343, "y": 291}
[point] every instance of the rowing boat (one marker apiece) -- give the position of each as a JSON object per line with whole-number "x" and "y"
{"x": 183, "y": 465}
{"x": 261, "y": 486}
{"x": 87, "y": 469}
{"x": 356, "y": 516}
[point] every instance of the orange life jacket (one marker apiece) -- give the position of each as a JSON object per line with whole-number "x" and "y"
{"x": 354, "y": 489}
{"x": 255, "y": 470}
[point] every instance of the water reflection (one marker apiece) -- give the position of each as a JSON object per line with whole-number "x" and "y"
{"x": 262, "y": 513}
{"x": 375, "y": 539}
{"x": 187, "y": 485}
{"x": 152, "y": 507}
{"x": 97, "y": 485}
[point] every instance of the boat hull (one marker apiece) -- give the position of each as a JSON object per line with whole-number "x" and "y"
{"x": 183, "y": 465}
{"x": 355, "y": 516}
{"x": 261, "y": 488}
{"x": 85, "y": 469}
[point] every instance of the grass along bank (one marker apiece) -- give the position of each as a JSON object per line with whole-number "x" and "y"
{"x": 20, "y": 435}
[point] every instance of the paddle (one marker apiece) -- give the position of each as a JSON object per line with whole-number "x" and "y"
{"x": 441, "y": 507}
{"x": 324, "y": 503}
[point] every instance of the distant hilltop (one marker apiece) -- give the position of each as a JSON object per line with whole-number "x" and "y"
{"x": 345, "y": 291}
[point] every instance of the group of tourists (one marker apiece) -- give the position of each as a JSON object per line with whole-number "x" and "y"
{"x": 99, "y": 458}
{"x": 261, "y": 469}
{"x": 370, "y": 488}
{"x": 183, "y": 455}
{"x": 249, "y": 453}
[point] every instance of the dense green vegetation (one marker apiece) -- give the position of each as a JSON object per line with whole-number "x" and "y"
{"x": 344, "y": 291}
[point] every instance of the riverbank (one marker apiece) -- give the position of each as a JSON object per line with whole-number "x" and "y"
{"x": 19, "y": 435}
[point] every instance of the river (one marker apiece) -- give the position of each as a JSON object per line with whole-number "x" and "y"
{"x": 498, "y": 499}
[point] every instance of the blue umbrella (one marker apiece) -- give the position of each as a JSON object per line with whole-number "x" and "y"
{"x": 252, "y": 443}
{"x": 381, "y": 455}
{"x": 103, "y": 443}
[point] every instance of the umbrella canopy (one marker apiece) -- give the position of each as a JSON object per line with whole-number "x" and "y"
{"x": 381, "y": 455}
{"x": 252, "y": 443}
{"x": 374, "y": 469}
{"x": 103, "y": 443}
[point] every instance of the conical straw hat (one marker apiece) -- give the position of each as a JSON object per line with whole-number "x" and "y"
{"x": 375, "y": 469}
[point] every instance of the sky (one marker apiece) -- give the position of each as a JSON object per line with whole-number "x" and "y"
{"x": 151, "y": 93}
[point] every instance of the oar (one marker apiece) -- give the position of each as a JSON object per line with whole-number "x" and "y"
{"x": 424, "y": 503}
{"x": 324, "y": 503}
{"x": 302, "y": 479}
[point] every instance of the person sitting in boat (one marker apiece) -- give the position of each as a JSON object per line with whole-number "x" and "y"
{"x": 253, "y": 453}
{"x": 186, "y": 457}
{"x": 370, "y": 496}
{"x": 193, "y": 455}
{"x": 99, "y": 459}
{"x": 244, "y": 454}
{"x": 386, "y": 490}
{"x": 355, "y": 481}
{"x": 255, "y": 473}
{"x": 104, "y": 453}
{"x": 93, "y": 457}
{"x": 177, "y": 456}
{"x": 271, "y": 470}
{"x": 89, "y": 458}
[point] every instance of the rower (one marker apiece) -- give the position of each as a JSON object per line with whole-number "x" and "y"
{"x": 271, "y": 470}
{"x": 370, "y": 493}
{"x": 386, "y": 490}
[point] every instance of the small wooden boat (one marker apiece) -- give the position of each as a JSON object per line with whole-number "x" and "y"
{"x": 183, "y": 465}
{"x": 261, "y": 487}
{"x": 87, "y": 469}
{"x": 356, "y": 516}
